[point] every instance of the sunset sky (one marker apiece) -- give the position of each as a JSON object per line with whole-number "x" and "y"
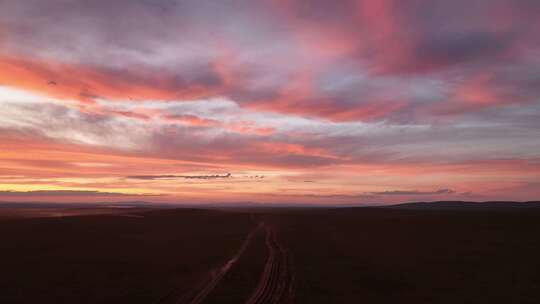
{"x": 320, "y": 102}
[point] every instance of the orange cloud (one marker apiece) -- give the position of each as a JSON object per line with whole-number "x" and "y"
{"x": 290, "y": 148}
{"x": 81, "y": 83}
{"x": 191, "y": 120}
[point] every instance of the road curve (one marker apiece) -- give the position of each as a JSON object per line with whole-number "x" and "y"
{"x": 276, "y": 282}
{"x": 220, "y": 273}
{"x": 215, "y": 276}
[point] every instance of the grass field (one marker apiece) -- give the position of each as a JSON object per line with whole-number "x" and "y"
{"x": 354, "y": 255}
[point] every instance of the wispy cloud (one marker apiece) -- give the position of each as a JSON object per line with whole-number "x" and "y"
{"x": 64, "y": 193}
{"x": 156, "y": 177}
{"x": 401, "y": 192}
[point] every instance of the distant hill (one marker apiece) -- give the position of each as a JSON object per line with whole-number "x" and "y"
{"x": 133, "y": 204}
{"x": 439, "y": 205}
{"x": 460, "y": 205}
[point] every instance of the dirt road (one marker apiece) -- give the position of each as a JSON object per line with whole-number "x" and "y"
{"x": 276, "y": 282}
{"x": 214, "y": 277}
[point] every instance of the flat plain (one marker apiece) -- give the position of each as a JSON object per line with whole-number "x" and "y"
{"x": 272, "y": 255}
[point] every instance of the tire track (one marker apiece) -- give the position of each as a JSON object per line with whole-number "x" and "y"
{"x": 215, "y": 276}
{"x": 276, "y": 282}
{"x": 224, "y": 269}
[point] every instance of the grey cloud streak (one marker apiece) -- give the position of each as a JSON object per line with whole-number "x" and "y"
{"x": 156, "y": 177}
{"x": 401, "y": 192}
{"x": 83, "y": 193}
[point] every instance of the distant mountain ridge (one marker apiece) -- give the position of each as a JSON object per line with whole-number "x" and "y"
{"x": 437, "y": 205}
{"x": 459, "y": 205}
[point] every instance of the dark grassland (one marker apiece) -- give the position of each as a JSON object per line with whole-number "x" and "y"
{"x": 404, "y": 256}
{"x": 353, "y": 255}
{"x": 114, "y": 259}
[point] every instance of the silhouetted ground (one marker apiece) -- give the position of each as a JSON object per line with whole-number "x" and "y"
{"x": 415, "y": 256}
{"x": 348, "y": 255}
{"x": 114, "y": 259}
